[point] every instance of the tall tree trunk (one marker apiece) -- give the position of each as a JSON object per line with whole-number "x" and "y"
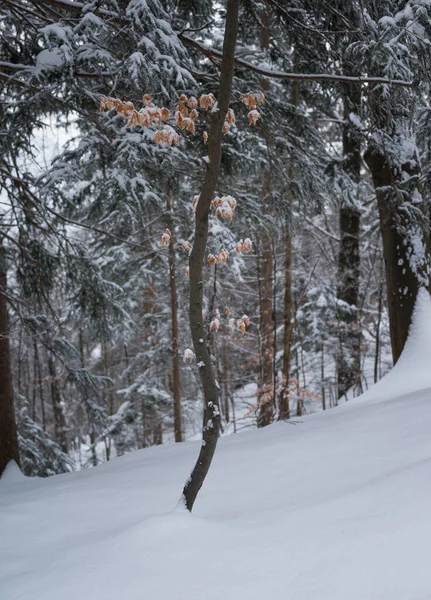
{"x": 403, "y": 230}
{"x": 348, "y": 358}
{"x": 197, "y": 256}
{"x": 284, "y": 408}
{"x": 322, "y": 374}
{"x": 267, "y": 384}
{"x": 379, "y": 320}
{"x": 9, "y": 449}
{"x": 174, "y": 316}
{"x": 266, "y": 406}
{"x": 225, "y": 381}
{"x": 92, "y": 430}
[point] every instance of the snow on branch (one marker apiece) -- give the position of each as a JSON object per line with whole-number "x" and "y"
{"x": 325, "y": 77}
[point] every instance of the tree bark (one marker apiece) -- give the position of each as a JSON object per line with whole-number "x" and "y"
{"x": 178, "y": 432}
{"x": 9, "y": 449}
{"x": 379, "y": 320}
{"x": 225, "y": 382}
{"x": 266, "y": 406}
{"x": 59, "y": 420}
{"x": 403, "y": 234}
{"x": 197, "y": 256}
{"x": 348, "y": 358}
{"x": 284, "y": 408}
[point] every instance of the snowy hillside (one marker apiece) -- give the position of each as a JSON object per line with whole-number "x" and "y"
{"x": 334, "y": 507}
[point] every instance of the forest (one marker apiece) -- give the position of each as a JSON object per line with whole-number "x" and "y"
{"x": 213, "y": 216}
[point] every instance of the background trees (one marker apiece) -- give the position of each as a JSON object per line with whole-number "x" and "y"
{"x": 98, "y": 307}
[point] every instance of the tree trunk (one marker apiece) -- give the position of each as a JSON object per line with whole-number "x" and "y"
{"x": 197, "y": 256}
{"x": 9, "y": 449}
{"x": 348, "y": 357}
{"x": 266, "y": 406}
{"x": 92, "y": 431}
{"x": 403, "y": 232}
{"x": 284, "y": 408}
{"x": 322, "y": 374}
{"x": 59, "y": 420}
{"x": 174, "y": 316}
{"x": 225, "y": 381}
{"x": 379, "y": 320}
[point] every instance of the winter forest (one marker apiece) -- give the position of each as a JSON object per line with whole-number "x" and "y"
{"x": 214, "y": 217}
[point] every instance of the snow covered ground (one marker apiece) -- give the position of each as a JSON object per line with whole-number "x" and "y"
{"x": 334, "y": 507}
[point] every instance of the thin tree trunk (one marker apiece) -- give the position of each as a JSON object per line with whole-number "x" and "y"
{"x": 9, "y": 449}
{"x": 40, "y": 384}
{"x": 322, "y": 374}
{"x": 197, "y": 256}
{"x": 92, "y": 432}
{"x": 379, "y": 320}
{"x": 267, "y": 393}
{"x": 348, "y": 357}
{"x": 174, "y": 317}
{"x": 33, "y": 406}
{"x": 266, "y": 407}
{"x": 284, "y": 409}
{"x": 59, "y": 420}
{"x": 225, "y": 382}
{"x": 259, "y": 292}
{"x": 274, "y": 327}
{"x": 298, "y": 395}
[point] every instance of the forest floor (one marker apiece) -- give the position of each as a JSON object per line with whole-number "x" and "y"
{"x": 334, "y": 506}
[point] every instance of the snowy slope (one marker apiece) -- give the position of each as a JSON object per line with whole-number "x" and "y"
{"x": 335, "y": 507}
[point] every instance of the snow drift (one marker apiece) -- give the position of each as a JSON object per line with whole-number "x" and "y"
{"x": 334, "y": 507}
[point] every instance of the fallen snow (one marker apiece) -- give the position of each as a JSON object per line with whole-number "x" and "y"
{"x": 334, "y": 507}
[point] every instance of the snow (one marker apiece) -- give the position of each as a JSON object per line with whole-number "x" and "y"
{"x": 334, "y": 506}
{"x": 49, "y": 59}
{"x": 412, "y": 371}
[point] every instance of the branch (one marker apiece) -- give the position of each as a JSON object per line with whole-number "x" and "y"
{"x": 324, "y": 77}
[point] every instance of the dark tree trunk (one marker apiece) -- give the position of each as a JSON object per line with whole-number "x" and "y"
{"x": 92, "y": 431}
{"x": 197, "y": 257}
{"x": 406, "y": 271}
{"x": 225, "y": 375}
{"x": 266, "y": 405}
{"x": 59, "y": 420}
{"x": 174, "y": 319}
{"x": 267, "y": 402}
{"x": 379, "y": 320}
{"x": 284, "y": 408}
{"x": 348, "y": 357}
{"x": 9, "y": 449}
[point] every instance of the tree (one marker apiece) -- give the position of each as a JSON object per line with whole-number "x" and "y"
{"x": 197, "y": 257}
{"x": 8, "y": 434}
{"x": 393, "y": 160}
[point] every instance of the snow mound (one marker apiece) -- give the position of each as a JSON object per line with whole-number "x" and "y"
{"x": 334, "y": 507}
{"x": 11, "y": 475}
{"x": 413, "y": 369}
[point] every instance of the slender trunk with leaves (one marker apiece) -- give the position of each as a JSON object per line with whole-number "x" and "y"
{"x": 197, "y": 257}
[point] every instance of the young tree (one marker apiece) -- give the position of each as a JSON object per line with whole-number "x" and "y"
{"x": 197, "y": 257}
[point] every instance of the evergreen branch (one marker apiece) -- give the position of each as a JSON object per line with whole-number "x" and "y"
{"x": 322, "y": 77}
